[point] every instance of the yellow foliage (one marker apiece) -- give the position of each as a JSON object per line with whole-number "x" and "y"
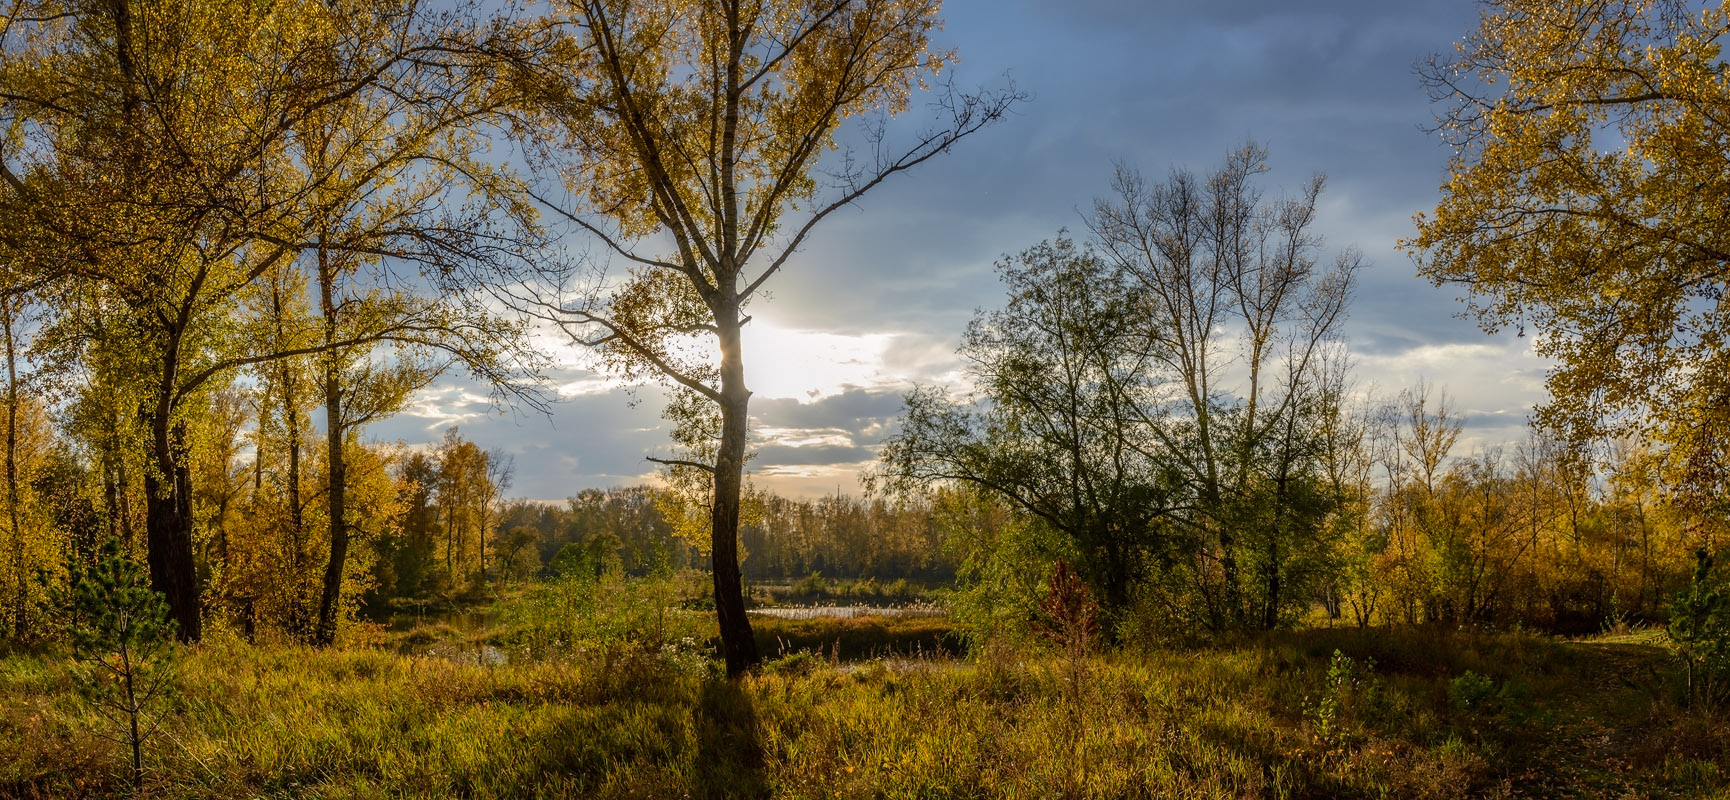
{"x": 1590, "y": 199}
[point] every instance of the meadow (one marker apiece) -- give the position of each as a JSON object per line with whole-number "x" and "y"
{"x": 879, "y": 707}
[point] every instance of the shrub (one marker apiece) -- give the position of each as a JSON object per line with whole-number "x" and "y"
{"x": 1350, "y": 687}
{"x": 1471, "y": 692}
{"x": 812, "y": 585}
{"x": 1070, "y": 619}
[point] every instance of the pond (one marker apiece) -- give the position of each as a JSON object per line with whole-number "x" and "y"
{"x": 848, "y": 612}
{"x": 480, "y": 655}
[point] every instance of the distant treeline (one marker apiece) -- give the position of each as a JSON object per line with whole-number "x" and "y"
{"x": 835, "y": 536}
{"x": 424, "y": 525}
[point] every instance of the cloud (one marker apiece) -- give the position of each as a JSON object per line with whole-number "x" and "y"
{"x": 781, "y": 456}
{"x": 875, "y": 301}
{"x": 852, "y": 409}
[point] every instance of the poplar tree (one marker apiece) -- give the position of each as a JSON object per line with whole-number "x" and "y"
{"x": 1585, "y": 203}
{"x": 689, "y": 137}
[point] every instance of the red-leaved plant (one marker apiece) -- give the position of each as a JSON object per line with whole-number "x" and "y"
{"x": 1069, "y": 618}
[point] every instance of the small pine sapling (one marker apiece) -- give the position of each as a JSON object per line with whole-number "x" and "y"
{"x": 1700, "y": 628}
{"x": 123, "y": 641}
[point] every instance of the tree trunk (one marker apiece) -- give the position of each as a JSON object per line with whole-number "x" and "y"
{"x": 1270, "y": 611}
{"x": 123, "y": 482}
{"x": 337, "y": 495}
{"x": 738, "y": 644}
{"x": 111, "y": 489}
{"x": 20, "y": 619}
{"x": 291, "y": 421}
{"x": 168, "y": 526}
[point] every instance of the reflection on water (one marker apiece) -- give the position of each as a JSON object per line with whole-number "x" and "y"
{"x": 848, "y": 612}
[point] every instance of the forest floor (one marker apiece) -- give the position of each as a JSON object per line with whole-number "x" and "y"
{"x": 1316, "y": 713}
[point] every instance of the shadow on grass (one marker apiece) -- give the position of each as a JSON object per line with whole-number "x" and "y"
{"x": 729, "y": 744}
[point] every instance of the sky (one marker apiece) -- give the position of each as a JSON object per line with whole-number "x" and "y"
{"x": 876, "y": 301}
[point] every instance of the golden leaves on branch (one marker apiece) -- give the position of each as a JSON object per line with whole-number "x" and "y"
{"x": 1588, "y": 199}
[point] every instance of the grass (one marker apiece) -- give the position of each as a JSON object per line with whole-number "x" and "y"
{"x": 1392, "y": 715}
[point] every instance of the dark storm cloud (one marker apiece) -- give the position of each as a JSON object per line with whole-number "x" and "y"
{"x": 1327, "y": 86}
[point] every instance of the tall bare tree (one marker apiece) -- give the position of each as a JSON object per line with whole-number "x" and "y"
{"x": 1241, "y": 318}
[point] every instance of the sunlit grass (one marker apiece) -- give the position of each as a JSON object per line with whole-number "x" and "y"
{"x": 1231, "y": 721}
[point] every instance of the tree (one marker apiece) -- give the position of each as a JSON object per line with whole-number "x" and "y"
{"x": 1700, "y": 627}
{"x": 495, "y": 481}
{"x": 1586, "y": 200}
{"x": 462, "y": 475}
{"x": 1240, "y": 320}
{"x": 413, "y": 558}
{"x": 14, "y": 519}
{"x": 517, "y": 555}
{"x": 122, "y": 635}
{"x": 690, "y": 135}
{"x": 1058, "y": 426}
{"x": 139, "y": 188}
{"x": 1160, "y": 398}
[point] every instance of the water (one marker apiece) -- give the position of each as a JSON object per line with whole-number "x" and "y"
{"x": 847, "y": 612}
{"x": 481, "y": 655}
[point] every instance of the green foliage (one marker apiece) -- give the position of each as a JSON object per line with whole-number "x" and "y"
{"x": 123, "y": 641}
{"x": 1124, "y": 399}
{"x": 1471, "y": 691}
{"x": 573, "y": 561}
{"x": 800, "y": 662}
{"x": 1700, "y": 628}
{"x": 1000, "y": 558}
{"x": 1055, "y": 429}
{"x": 1349, "y": 690}
{"x": 812, "y": 584}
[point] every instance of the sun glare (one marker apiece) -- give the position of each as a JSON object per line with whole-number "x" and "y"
{"x": 810, "y": 365}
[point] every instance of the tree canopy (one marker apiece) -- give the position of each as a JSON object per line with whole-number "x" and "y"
{"x": 1586, "y": 201}
{"x": 688, "y": 137}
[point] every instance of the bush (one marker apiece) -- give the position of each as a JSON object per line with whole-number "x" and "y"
{"x": 1349, "y": 689}
{"x": 1471, "y": 692}
{"x": 812, "y": 585}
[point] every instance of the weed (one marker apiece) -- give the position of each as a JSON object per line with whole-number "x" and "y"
{"x": 1349, "y": 688}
